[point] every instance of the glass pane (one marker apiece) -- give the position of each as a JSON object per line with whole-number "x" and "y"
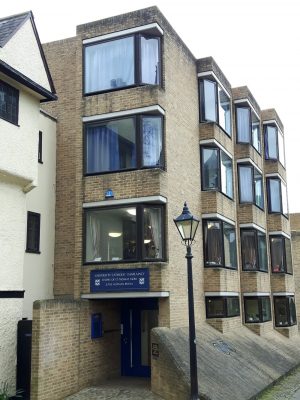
{"x": 288, "y": 256}
{"x": 277, "y": 254}
{"x": 252, "y": 310}
{"x": 229, "y": 246}
{"x": 233, "y": 306}
{"x": 274, "y": 195}
{"x": 210, "y": 169}
{"x": 213, "y": 243}
{"x": 262, "y": 251}
{"x": 266, "y": 309}
{"x": 284, "y": 199}
{"x": 149, "y": 320}
{"x": 243, "y": 124}
{"x": 249, "y": 252}
{"x": 281, "y": 312}
{"x": 152, "y": 141}
{"x": 152, "y": 243}
{"x": 150, "y": 60}
{"x": 226, "y": 174}
{"x": 111, "y": 146}
{"x": 258, "y": 186}
{"x": 293, "y": 319}
{"x": 256, "y": 142}
{"x": 246, "y": 184}
{"x": 281, "y": 148}
{"x": 224, "y": 111}
{"x": 214, "y": 307}
{"x": 209, "y": 89}
{"x": 111, "y": 235}
{"x": 109, "y": 65}
{"x": 9, "y": 99}
{"x": 271, "y": 142}
{"x": 185, "y": 229}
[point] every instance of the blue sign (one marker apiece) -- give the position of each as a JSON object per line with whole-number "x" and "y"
{"x": 109, "y": 194}
{"x": 113, "y": 280}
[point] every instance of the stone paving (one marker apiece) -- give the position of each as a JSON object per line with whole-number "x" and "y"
{"x": 122, "y": 389}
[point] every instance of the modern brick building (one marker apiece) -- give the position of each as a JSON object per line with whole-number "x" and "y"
{"x": 143, "y": 126}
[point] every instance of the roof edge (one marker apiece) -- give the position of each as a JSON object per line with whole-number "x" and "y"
{"x": 18, "y": 27}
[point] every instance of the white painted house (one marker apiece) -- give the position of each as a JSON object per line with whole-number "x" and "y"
{"x": 25, "y": 82}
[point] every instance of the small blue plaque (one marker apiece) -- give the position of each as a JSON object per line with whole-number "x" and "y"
{"x": 109, "y": 194}
{"x": 119, "y": 280}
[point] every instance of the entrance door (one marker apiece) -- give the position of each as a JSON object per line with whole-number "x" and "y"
{"x": 24, "y": 358}
{"x": 138, "y": 317}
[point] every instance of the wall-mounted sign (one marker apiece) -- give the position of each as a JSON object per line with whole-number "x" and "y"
{"x": 112, "y": 280}
{"x": 155, "y": 350}
{"x": 109, "y": 194}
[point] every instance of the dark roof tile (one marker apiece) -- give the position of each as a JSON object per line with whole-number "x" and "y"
{"x": 10, "y": 25}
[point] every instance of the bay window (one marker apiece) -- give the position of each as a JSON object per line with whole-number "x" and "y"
{"x": 123, "y": 144}
{"x": 257, "y": 309}
{"x": 285, "y": 311}
{"x": 248, "y": 126}
{"x": 254, "y": 250}
{"x": 123, "y": 62}
{"x": 124, "y": 234}
{"x": 277, "y": 196}
{"x": 215, "y": 104}
{"x": 216, "y": 170}
{"x": 222, "y": 306}
{"x": 219, "y": 244}
{"x": 281, "y": 254}
{"x": 250, "y": 185}
{"x": 274, "y": 144}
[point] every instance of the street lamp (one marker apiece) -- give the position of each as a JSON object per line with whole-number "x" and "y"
{"x": 187, "y": 226}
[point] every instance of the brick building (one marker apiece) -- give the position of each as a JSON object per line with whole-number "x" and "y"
{"x": 143, "y": 126}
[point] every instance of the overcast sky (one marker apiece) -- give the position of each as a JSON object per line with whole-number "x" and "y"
{"x": 255, "y": 42}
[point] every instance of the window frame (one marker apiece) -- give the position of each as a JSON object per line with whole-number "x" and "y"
{"x": 249, "y": 165}
{"x": 225, "y": 306}
{"x": 219, "y": 189}
{"x": 139, "y": 233}
{"x": 206, "y": 264}
{"x": 210, "y": 78}
{"x": 16, "y": 93}
{"x": 40, "y": 148}
{"x": 37, "y": 232}
{"x": 277, "y": 178}
{"x": 260, "y": 309}
{"x": 138, "y": 123}
{"x": 137, "y": 62}
{"x": 278, "y": 132}
{"x": 287, "y": 308}
{"x": 256, "y": 233}
{"x": 283, "y": 244}
{"x": 251, "y": 123}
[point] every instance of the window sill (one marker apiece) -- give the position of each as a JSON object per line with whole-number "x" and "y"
{"x": 257, "y": 322}
{"x": 255, "y": 270}
{"x": 159, "y": 263}
{"x": 219, "y": 126}
{"x": 110, "y": 90}
{"x": 218, "y": 191}
{"x": 220, "y": 267}
{"x": 155, "y": 168}
{"x": 32, "y": 251}
{"x": 282, "y": 273}
{"x": 10, "y": 122}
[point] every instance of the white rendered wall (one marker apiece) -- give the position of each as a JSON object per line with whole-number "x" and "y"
{"x": 38, "y": 268}
{"x": 22, "y": 53}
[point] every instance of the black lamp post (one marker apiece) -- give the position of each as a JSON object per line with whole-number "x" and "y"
{"x": 187, "y": 226}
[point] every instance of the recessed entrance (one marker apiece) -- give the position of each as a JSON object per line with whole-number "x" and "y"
{"x": 138, "y": 317}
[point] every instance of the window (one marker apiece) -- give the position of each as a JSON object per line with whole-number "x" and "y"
{"x": 40, "y": 148}
{"x": 216, "y": 169}
{"x": 123, "y": 144}
{"x": 281, "y": 254}
{"x": 250, "y": 185}
{"x": 277, "y": 196}
{"x": 215, "y": 104}
{"x": 274, "y": 144}
{"x": 248, "y": 126}
{"x": 33, "y": 232}
{"x": 219, "y": 244}
{"x": 9, "y": 103}
{"x": 222, "y": 307}
{"x": 257, "y": 309}
{"x": 254, "y": 250}
{"x": 120, "y": 63}
{"x": 124, "y": 234}
{"x": 285, "y": 311}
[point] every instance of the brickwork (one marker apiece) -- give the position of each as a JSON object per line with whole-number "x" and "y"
{"x": 225, "y": 325}
{"x": 221, "y": 280}
{"x": 261, "y": 329}
{"x": 255, "y": 282}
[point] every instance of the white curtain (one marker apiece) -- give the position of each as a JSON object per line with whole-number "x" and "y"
{"x": 152, "y": 141}
{"x": 150, "y": 60}
{"x": 155, "y": 223}
{"x": 94, "y": 231}
{"x": 245, "y": 182}
{"x": 243, "y": 124}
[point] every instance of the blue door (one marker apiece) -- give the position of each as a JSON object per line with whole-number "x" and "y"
{"x": 138, "y": 317}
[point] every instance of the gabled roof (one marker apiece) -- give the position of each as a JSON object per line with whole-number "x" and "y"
{"x": 10, "y": 25}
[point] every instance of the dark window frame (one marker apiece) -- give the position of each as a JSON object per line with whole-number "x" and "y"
{"x": 225, "y": 306}
{"x": 40, "y": 148}
{"x": 278, "y": 132}
{"x": 251, "y": 122}
{"x": 36, "y": 249}
{"x": 269, "y": 198}
{"x": 260, "y": 309}
{"x": 139, "y": 234}
{"x": 256, "y": 232}
{"x": 219, "y": 189}
{"x": 138, "y": 123}
{"x": 207, "y": 265}
{"x": 288, "y": 310}
{"x": 202, "y": 103}
{"x": 283, "y": 240}
{"x": 137, "y": 62}
{"x": 15, "y": 92}
{"x": 249, "y": 165}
